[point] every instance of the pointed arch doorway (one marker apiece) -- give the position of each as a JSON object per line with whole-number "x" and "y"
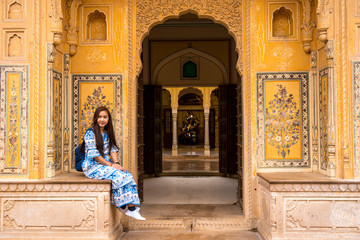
{"x": 212, "y": 51}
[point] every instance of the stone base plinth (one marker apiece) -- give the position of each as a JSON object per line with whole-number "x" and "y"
{"x": 308, "y": 206}
{"x": 67, "y": 207}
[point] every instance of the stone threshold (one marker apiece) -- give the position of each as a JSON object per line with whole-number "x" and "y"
{"x": 190, "y": 217}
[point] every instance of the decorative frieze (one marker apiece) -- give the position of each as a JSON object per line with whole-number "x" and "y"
{"x": 54, "y": 187}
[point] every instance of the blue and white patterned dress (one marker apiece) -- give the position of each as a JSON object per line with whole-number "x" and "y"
{"x": 123, "y": 184}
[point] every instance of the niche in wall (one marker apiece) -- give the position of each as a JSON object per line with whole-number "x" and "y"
{"x": 14, "y": 44}
{"x": 283, "y": 21}
{"x": 15, "y": 10}
{"x": 96, "y": 24}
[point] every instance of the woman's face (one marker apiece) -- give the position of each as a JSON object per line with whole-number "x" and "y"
{"x": 103, "y": 119}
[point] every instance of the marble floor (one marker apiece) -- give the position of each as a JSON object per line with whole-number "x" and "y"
{"x": 190, "y": 160}
{"x": 190, "y": 190}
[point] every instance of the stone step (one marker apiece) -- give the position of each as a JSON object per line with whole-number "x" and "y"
{"x": 183, "y": 235}
{"x": 190, "y": 217}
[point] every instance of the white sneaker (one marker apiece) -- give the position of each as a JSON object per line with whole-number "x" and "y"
{"x": 135, "y": 214}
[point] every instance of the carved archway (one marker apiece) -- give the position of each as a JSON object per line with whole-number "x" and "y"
{"x": 226, "y": 13}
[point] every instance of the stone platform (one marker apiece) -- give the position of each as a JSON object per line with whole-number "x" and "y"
{"x": 308, "y": 206}
{"x": 69, "y": 206}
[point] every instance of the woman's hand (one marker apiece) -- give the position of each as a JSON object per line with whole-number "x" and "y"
{"x": 117, "y": 166}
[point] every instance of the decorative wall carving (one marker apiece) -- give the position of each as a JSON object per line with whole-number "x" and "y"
{"x": 323, "y": 10}
{"x": 325, "y": 214}
{"x": 56, "y": 209}
{"x": 15, "y": 11}
{"x": 307, "y": 25}
{"x": 95, "y": 56}
{"x": 283, "y": 20}
{"x": 73, "y": 27}
{"x": 148, "y": 13}
{"x": 55, "y": 187}
{"x": 14, "y": 119}
{"x": 15, "y": 46}
{"x": 96, "y": 26}
{"x": 282, "y": 23}
{"x": 56, "y": 20}
{"x": 357, "y": 8}
{"x": 264, "y": 161}
{"x": 95, "y": 84}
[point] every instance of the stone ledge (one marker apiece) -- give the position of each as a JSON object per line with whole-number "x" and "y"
{"x": 69, "y": 182}
{"x": 306, "y": 182}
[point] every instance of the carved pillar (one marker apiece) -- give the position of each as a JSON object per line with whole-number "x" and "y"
{"x": 56, "y": 21}
{"x": 323, "y": 12}
{"x": 206, "y": 91}
{"x": 206, "y": 141}
{"x": 315, "y": 112}
{"x": 50, "y": 161}
{"x": 73, "y": 28}
{"x": 331, "y": 111}
{"x": 174, "y": 142}
{"x": 66, "y": 101}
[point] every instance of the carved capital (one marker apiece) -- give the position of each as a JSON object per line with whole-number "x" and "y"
{"x": 73, "y": 28}
{"x": 56, "y": 20}
{"x": 323, "y": 12}
{"x": 307, "y": 25}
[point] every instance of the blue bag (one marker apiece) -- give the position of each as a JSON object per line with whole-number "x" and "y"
{"x": 80, "y": 155}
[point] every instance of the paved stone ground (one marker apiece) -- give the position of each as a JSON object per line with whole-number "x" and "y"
{"x": 175, "y": 235}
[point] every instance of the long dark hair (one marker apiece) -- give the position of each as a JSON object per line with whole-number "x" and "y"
{"x": 108, "y": 128}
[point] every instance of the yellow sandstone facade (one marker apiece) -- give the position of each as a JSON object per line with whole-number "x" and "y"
{"x": 60, "y": 58}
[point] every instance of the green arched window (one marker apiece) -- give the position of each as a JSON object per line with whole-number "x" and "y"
{"x": 189, "y": 70}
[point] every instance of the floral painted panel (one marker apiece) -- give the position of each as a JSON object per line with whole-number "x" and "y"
{"x": 90, "y": 92}
{"x": 14, "y": 120}
{"x": 57, "y": 120}
{"x": 323, "y": 108}
{"x": 283, "y": 140}
{"x": 356, "y": 69}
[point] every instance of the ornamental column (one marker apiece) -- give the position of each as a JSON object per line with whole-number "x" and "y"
{"x": 206, "y": 91}
{"x": 206, "y": 141}
{"x": 174, "y": 151}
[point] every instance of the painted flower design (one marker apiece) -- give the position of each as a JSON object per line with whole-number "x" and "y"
{"x": 282, "y": 123}
{"x": 93, "y": 101}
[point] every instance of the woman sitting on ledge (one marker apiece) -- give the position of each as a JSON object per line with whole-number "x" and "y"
{"x": 101, "y": 162}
